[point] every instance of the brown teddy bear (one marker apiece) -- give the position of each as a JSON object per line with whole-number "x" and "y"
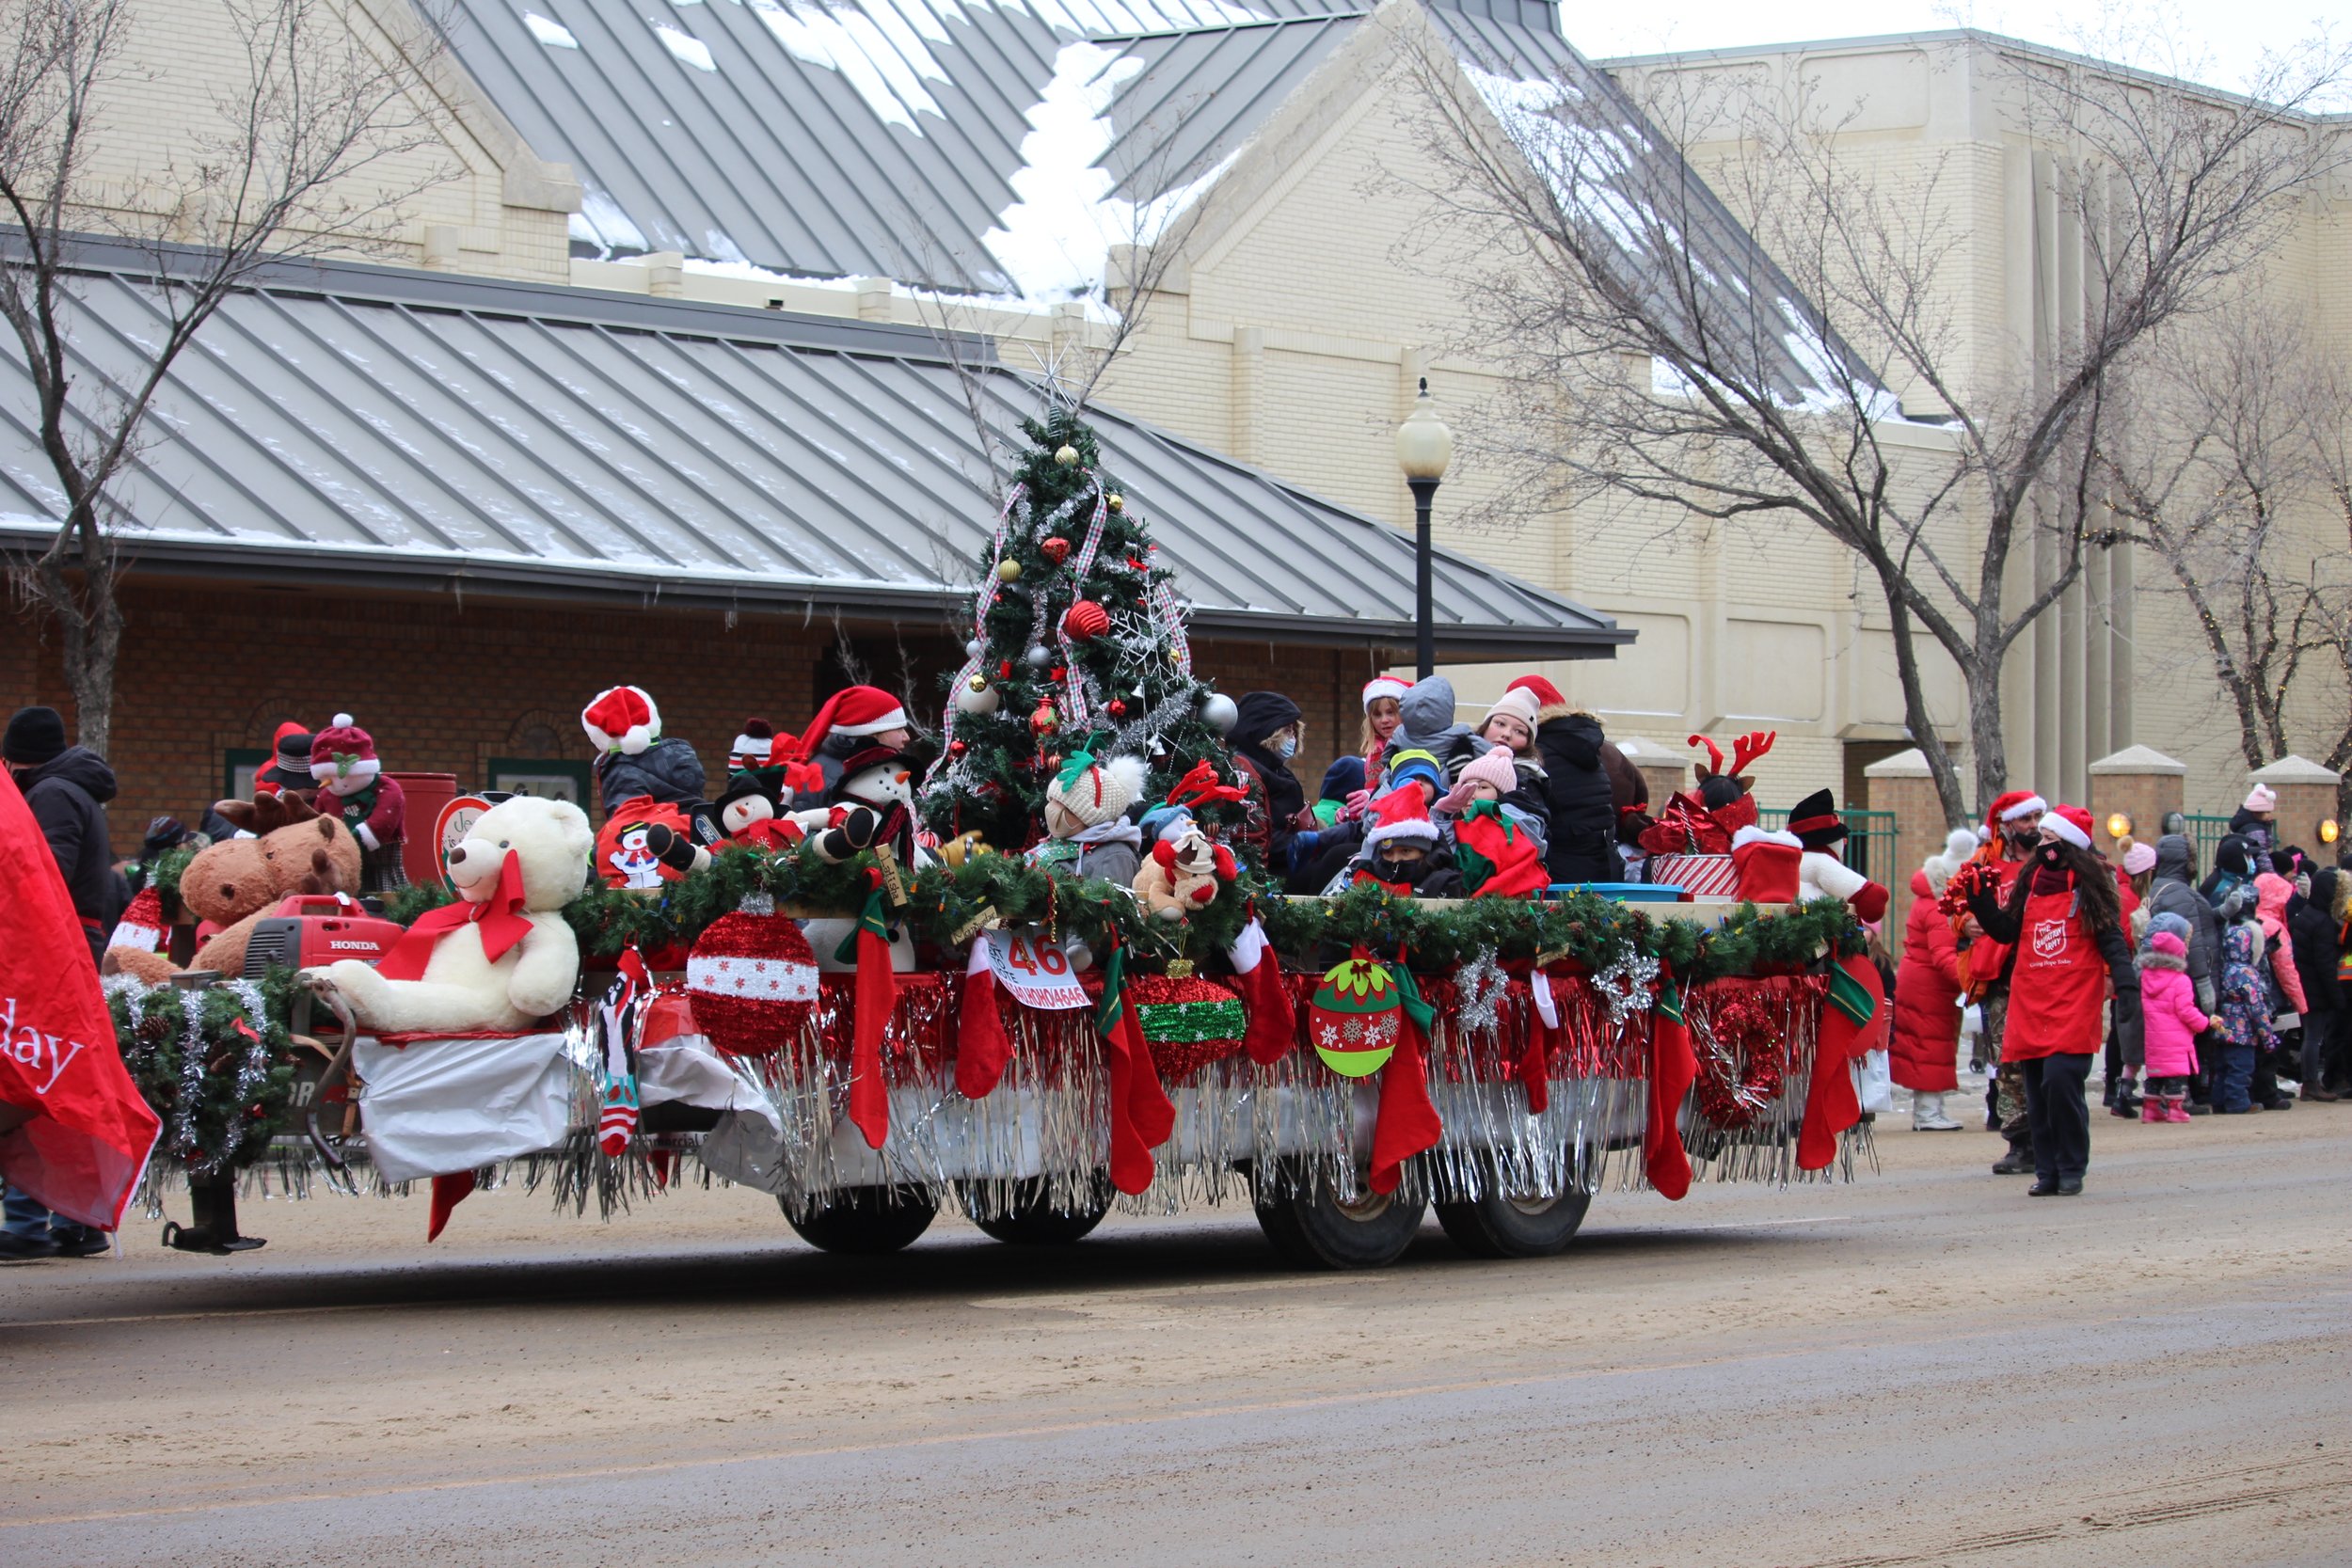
{"x": 1183, "y": 873}
{"x": 235, "y": 882}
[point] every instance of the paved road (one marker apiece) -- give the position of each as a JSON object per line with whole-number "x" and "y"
{"x": 1922, "y": 1368}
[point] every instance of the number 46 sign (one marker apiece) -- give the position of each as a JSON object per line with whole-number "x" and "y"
{"x": 1034, "y": 969}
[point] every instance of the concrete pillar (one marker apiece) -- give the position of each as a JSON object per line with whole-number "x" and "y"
{"x": 874, "y": 296}
{"x": 1903, "y": 783}
{"x": 2139, "y": 782}
{"x": 2307, "y": 798}
{"x": 665, "y": 273}
{"x": 1664, "y": 771}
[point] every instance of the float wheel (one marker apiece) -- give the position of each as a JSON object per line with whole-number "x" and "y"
{"x": 864, "y": 1219}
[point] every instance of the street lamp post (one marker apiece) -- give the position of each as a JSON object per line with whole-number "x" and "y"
{"x": 1423, "y": 449}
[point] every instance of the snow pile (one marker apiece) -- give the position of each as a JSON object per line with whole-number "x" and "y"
{"x": 553, "y": 34}
{"x": 688, "y": 49}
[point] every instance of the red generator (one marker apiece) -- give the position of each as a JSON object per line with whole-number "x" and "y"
{"x": 313, "y": 929}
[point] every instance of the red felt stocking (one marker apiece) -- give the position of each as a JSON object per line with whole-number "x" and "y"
{"x": 1849, "y": 1020}
{"x": 448, "y": 1192}
{"x": 982, "y": 1048}
{"x": 877, "y": 998}
{"x": 1672, "y": 1068}
{"x": 1542, "y": 1035}
{"x": 1142, "y": 1116}
{"x": 1407, "y": 1121}
{"x": 1273, "y": 1032}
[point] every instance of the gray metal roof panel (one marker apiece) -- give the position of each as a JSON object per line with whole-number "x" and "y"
{"x": 416, "y": 427}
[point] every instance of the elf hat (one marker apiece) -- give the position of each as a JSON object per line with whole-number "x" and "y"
{"x": 751, "y": 746}
{"x": 622, "y": 718}
{"x": 1815, "y": 820}
{"x": 1545, "y": 693}
{"x": 1400, "y": 815}
{"x": 2072, "y": 824}
{"x": 854, "y": 710}
{"x": 1521, "y": 703}
{"x": 1094, "y": 792}
{"x": 1490, "y": 768}
{"x": 343, "y": 750}
{"x": 2262, "y": 798}
{"x": 1384, "y": 685}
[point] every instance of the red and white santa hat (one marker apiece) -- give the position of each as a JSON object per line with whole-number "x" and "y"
{"x": 854, "y": 710}
{"x": 622, "y": 718}
{"x": 1384, "y": 685}
{"x": 1400, "y": 813}
{"x": 343, "y": 750}
{"x": 2070, "y": 824}
{"x": 2017, "y": 805}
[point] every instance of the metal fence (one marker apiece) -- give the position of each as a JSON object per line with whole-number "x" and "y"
{"x": 2205, "y": 834}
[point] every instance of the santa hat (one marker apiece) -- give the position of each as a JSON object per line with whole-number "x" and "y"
{"x": 2262, "y": 798}
{"x": 343, "y": 750}
{"x": 1521, "y": 703}
{"x": 2016, "y": 805}
{"x": 622, "y": 718}
{"x": 854, "y": 710}
{"x": 1545, "y": 693}
{"x": 1384, "y": 685}
{"x": 2072, "y": 824}
{"x": 752, "y": 745}
{"x": 1766, "y": 865}
{"x": 1815, "y": 820}
{"x": 1094, "y": 792}
{"x": 1400, "y": 815}
{"x": 1490, "y": 768}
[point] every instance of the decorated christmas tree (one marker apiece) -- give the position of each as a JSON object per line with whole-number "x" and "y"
{"x": 1077, "y": 646}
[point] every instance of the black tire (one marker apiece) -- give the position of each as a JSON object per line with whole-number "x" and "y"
{"x": 1035, "y": 1220}
{"x": 864, "y": 1219}
{"x": 1499, "y": 1225}
{"x": 1311, "y": 1228}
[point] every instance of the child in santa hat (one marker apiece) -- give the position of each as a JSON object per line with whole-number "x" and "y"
{"x": 854, "y": 719}
{"x": 634, "y": 757}
{"x": 1404, "y": 850}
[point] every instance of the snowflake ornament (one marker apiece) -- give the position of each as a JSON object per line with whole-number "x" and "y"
{"x": 1625, "y": 985}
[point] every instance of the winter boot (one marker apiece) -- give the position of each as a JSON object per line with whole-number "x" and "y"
{"x": 2126, "y": 1102}
{"x": 2175, "y": 1107}
{"x": 2017, "y": 1161}
{"x": 1927, "y": 1115}
{"x": 2155, "y": 1109}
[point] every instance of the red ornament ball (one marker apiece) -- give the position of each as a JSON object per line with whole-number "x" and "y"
{"x": 1115, "y": 708}
{"x": 1056, "y": 549}
{"x": 1084, "y": 621}
{"x": 957, "y": 747}
{"x": 1004, "y": 669}
{"x": 751, "y": 979}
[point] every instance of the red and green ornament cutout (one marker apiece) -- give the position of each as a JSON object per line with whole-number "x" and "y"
{"x": 1355, "y": 1017}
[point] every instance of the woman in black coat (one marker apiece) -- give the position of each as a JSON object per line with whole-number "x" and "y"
{"x": 1581, "y": 845}
{"x": 2312, "y": 931}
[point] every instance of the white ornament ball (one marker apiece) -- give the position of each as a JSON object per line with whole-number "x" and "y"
{"x": 1066, "y": 457}
{"x": 1220, "y": 713}
{"x": 975, "y": 649}
{"x": 1039, "y": 656}
{"x": 977, "y": 702}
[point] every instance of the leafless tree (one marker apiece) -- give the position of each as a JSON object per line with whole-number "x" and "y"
{"x": 1815, "y": 363}
{"x": 2220, "y": 473}
{"x": 298, "y": 150}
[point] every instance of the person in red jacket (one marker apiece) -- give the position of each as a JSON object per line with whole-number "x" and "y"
{"x": 1925, "y": 1047}
{"x": 2064, "y": 918}
{"x": 2010, "y": 832}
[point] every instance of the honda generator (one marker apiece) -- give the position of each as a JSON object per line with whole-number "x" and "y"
{"x": 313, "y": 929}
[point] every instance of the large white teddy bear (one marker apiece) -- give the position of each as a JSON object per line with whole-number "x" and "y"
{"x": 500, "y": 959}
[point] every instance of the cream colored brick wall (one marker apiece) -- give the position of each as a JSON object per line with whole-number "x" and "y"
{"x": 483, "y": 202}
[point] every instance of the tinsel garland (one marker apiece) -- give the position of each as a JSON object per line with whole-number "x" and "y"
{"x": 216, "y": 1065}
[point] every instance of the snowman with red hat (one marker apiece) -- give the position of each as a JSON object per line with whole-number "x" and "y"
{"x": 351, "y": 783}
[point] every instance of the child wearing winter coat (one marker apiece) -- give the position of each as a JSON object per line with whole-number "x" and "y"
{"x": 2169, "y": 1024}
{"x": 2243, "y": 1023}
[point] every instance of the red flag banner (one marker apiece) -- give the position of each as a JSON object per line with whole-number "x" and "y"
{"x": 81, "y": 1135}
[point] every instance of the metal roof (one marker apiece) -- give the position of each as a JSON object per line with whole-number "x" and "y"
{"x": 420, "y": 430}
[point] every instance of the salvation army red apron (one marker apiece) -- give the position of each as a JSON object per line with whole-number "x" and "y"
{"x": 2059, "y": 984}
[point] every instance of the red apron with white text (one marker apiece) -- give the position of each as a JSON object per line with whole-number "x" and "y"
{"x": 2058, "y": 986}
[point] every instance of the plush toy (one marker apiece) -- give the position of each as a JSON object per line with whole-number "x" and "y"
{"x": 1183, "y": 873}
{"x": 503, "y": 957}
{"x": 747, "y": 809}
{"x": 233, "y": 883}
{"x": 1766, "y": 865}
{"x": 1087, "y": 832}
{"x": 645, "y": 842}
{"x": 964, "y": 846}
{"x": 1703, "y": 821}
{"x": 1821, "y": 874}
{"x": 351, "y": 783}
{"x": 873, "y": 802}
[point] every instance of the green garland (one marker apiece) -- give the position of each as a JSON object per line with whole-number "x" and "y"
{"x": 220, "y": 1110}
{"x": 945, "y": 903}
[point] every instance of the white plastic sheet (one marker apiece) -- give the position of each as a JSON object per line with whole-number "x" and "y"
{"x": 434, "y": 1107}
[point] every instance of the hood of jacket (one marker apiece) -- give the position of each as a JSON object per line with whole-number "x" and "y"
{"x": 1427, "y": 707}
{"x": 2176, "y": 859}
{"x": 2149, "y": 958}
{"x": 2237, "y": 944}
{"x": 2271, "y": 892}
{"x": 77, "y": 766}
{"x": 1260, "y": 713}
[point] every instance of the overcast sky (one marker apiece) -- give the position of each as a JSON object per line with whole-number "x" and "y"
{"x": 2215, "y": 41}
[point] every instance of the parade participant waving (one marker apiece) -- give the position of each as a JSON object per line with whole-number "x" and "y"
{"x": 2064, "y": 917}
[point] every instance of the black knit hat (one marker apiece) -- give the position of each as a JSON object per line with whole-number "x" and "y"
{"x": 36, "y": 735}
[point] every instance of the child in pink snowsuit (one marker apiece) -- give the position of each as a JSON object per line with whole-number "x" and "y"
{"x": 2170, "y": 1027}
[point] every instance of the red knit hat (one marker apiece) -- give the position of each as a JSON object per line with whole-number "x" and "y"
{"x": 854, "y": 710}
{"x": 343, "y": 750}
{"x": 622, "y": 718}
{"x": 2071, "y": 823}
{"x": 1546, "y": 693}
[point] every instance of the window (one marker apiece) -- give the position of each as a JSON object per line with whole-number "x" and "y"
{"x": 545, "y": 778}
{"x": 237, "y": 767}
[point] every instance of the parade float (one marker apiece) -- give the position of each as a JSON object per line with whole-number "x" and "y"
{"x": 1025, "y": 970}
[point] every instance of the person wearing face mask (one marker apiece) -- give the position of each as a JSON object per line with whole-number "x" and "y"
{"x": 2010, "y": 832}
{"x": 1268, "y": 730}
{"x": 2064, "y": 919}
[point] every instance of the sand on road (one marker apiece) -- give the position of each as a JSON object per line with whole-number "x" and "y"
{"x": 1922, "y": 1367}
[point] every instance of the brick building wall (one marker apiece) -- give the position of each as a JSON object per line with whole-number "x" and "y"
{"x": 209, "y": 668}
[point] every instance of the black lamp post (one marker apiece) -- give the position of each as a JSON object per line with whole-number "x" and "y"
{"x": 1423, "y": 449}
